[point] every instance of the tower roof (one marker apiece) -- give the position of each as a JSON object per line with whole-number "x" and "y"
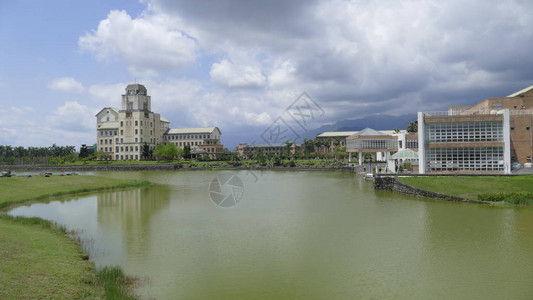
{"x": 136, "y": 87}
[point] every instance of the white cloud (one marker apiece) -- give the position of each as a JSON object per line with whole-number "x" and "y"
{"x": 231, "y": 75}
{"x": 72, "y": 116}
{"x": 66, "y": 84}
{"x": 149, "y": 44}
{"x": 108, "y": 95}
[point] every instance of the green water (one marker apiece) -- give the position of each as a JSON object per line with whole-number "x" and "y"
{"x": 300, "y": 235}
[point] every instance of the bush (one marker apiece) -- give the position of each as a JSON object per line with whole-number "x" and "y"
{"x": 511, "y": 197}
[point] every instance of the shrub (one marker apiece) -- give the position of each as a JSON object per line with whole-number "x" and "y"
{"x": 511, "y": 197}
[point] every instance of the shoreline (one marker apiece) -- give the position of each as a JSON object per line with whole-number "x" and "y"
{"x": 152, "y": 167}
{"x": 110, "y": 281}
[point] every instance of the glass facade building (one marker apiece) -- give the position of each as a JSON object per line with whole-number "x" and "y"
{"x": 464, "y": 144}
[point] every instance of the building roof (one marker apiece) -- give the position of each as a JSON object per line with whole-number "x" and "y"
{"x": 520, "y": 92}
{"x": 266, "y": 145}
{"x": 336, "y": 133}
{"x": 163, "y": 119}
{"x": 106, "y": 108}
{"x": 109, "y": 125}
{"x": 368, "y": 131}
{"x": 349, "y": 133}
{"x": 135, "y": 86}
{"x": 405, "y": 154}
{"x": 191, "y": 130}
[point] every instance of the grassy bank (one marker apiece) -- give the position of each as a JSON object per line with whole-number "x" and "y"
{"x": 20, "y": 189}
{"x": 473, "y": 187}
{"x": 38, "y": 259}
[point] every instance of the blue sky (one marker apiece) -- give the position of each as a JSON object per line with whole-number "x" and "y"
{"x": 239, "y": 64}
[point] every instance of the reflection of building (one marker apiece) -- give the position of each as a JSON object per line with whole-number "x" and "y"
{"x": 123, "y": 133}
{"x": 131, "y": 211}
{"x": 245, "y": 150}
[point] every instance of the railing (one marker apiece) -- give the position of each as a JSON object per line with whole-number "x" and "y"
{"x": 468, "y": 112}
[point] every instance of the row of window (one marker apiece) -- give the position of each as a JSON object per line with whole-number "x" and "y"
{"x": 130, "y": 123}
{"x": 188, "y": 137}
{"x": 122, "y": 157}
{"x": 464, "y": 132}
{"x": 108, "y": 132}
{"x": 465, "y": 159}
{"x": 372, "y": 144}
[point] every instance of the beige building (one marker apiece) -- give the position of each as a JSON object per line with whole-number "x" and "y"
{"x": 246, "y": 150}
{"x": 122, "y": 133}
{"x": 202, "y": 140}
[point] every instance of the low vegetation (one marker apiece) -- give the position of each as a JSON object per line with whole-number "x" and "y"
{"x": 20, "y": 189}
{"x": 39, "y": 259}
{"x": 512, "y": 189}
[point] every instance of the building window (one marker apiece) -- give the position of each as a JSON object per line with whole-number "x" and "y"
{"x": 136, "y": 131}
{"x": 121, "y": 132}
{"x": 116, "y": 149}
{"x": 527, "y": 128}
{"x": 465, "y": 159}
{"x": 136, "y": 123}
{"x": 141, "y": 131}
{"x": 121, "y": 124}
{"x": 135, "y": 140}
{"x": 512, "y": 128}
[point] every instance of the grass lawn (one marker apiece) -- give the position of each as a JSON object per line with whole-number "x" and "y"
{"x": 38, "y": 260}
{"x": 19, "y": 189}
{"x": 471, "y": 187}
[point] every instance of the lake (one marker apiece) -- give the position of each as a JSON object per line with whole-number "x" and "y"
{"x": 298, "y": 235}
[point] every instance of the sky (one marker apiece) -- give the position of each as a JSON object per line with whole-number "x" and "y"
{"x": 239, "y": 65}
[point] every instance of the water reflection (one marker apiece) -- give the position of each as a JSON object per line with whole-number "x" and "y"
{"x": 131, "y": 211}
{"x": 307, "y": 235}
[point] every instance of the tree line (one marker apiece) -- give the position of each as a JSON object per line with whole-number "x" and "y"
{"x": 35, "y": 155}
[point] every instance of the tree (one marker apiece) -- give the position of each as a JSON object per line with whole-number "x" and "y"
{"x": 327, "y": 144}
{"x": 84, "y": 152}
{"x": 171, "y": 151}
{"x": 308, "y": 146}
{"x": 146, "y": 153}
{"x": 318, "y": 144}
{"x": 397, "y": 130}
{"x": 337, "y": 141}
{"x": 288, "y": 146}
{"x": 186, "y": 152}
{"x": 412, "y": 127}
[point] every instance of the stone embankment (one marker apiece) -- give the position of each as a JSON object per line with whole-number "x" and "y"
{"x": 393, "y": 184}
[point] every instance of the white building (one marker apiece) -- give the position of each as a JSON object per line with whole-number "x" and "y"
{"x": 122, "y": 133}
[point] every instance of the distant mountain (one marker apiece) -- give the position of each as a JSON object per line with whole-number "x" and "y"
{"x": 377, "y": 121}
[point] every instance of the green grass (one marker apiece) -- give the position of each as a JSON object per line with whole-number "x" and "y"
{"x": 471, "y": 186}
{"x": 20, "y": 189}
{"x": 38, "y": 259}
{"x": 115, "y": 283}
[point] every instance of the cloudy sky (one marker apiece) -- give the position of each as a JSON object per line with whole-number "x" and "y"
{"x": 239, "y": 64}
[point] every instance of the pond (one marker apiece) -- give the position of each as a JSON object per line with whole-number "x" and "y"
{"x": 307, "y": 234}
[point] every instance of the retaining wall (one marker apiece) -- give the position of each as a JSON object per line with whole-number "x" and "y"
{"x": 393, "y": 184}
